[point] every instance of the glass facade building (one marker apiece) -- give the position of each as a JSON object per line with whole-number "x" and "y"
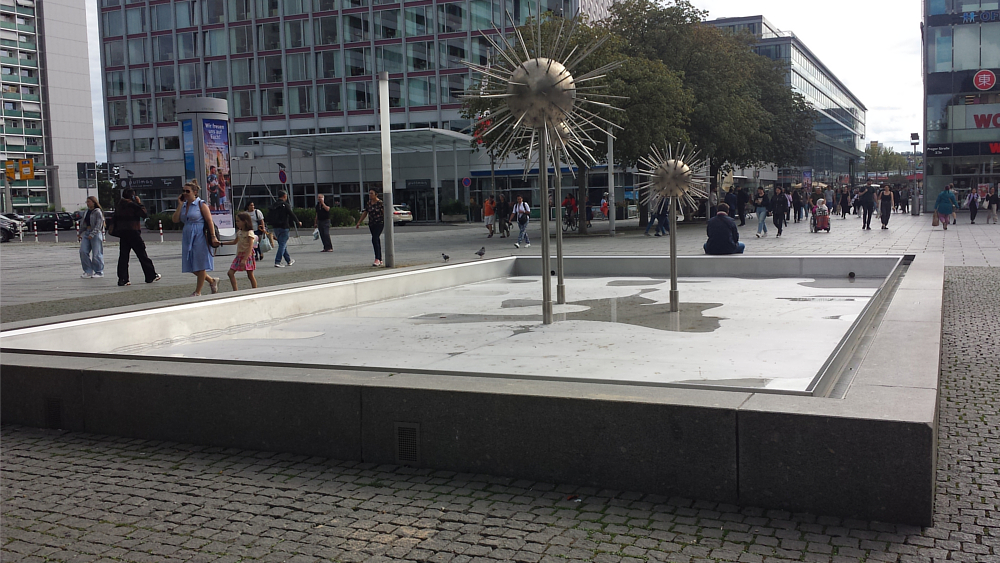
{"x": 962, "y": 100}
{"x": 840, "y": 129}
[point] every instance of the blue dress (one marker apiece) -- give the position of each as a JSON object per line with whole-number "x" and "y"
{"x": 945, "y": 202}
{"x": 196, "y": 255}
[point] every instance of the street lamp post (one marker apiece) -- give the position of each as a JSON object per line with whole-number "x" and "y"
{"x": 914, "y": 200}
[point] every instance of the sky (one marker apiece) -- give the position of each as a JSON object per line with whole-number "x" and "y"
{"x": 872, "y": 46}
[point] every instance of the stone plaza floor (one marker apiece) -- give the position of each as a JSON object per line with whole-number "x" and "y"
{"x": 79, "y": 497}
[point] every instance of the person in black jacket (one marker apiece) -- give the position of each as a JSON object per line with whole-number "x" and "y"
{"x": 723, "y": 234}
{"x": 867, "y": 198}
{"x": 779, "y": 208}
{"x": 127, "y": 223}
{"x": 280, "y": 217}
{"x": 761, "y": 204}
{"x": 797, "y": 204}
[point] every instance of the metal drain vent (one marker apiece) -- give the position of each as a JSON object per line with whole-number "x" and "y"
{"x": 407, "y": 443}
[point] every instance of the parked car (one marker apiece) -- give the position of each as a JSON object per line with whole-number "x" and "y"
{"x": 46, "y": 221}
{"x": 8, "y": 228}
{"x": 15, "y": 217}
{"x": 401, "y": 214}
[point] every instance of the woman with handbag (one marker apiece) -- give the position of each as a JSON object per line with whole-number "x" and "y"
{"x": 199, "y": 238}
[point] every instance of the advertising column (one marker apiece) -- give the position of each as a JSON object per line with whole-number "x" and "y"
{"x": 205, "y": 139}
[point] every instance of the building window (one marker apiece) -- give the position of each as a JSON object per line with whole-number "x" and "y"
{"x": 419, "y": 21}
{"x": 216, "y": 75}
{"x": 452, "y": 88}
{"x": 485, "y": 14}
{"x": 243, "y": 103}
{"x": 163, "y": 48}
{"x": 116, "y": 83}
{"x": 422, "y": 91}
{"x": 135, "y": 19}
{"x": 166, "y": 110}
{"x": 189, "y": 77}
{"x": 293, "y": 7}
{"x": 114, "y": 53}
{"x": 328, "y": 64}
{"x": 396, "y": 93}
{"x": 355, "y": 3}
{"x": 420, "y": 56}
{"x": 359, "y": 95}
{"x": 141, "y": 144}
{"x": 214, "y": 11}
{"x": 268, "y": 9}
{"x": 113, "y": 23}
{"x": 326, "y": 30}
{"x": 242, "y": 138}
{"x": 142, "y": 111}
{"x": 239, "y": 10}
{"x": 330, "y": 97}
{"x": 452, "y": 17}
{"x": 187, "y": 14}
{"x": 296, "y": 34}
{"x": 966, "y": 47}
{"x": 300, "y": 100}
{"x": 387, "y": 24}
{"x": 241, "y": 39}
{"x": 481, "y": 50}
{"x": 187, "y": 45}
{"x": 242, "y": 72}
{"x": 357, "y": 27}
{"x": 390, "y": 58}
{"x": 272, "y": 101}
{"x": 163, "y": 17}
{"x": 271, "y": 69}
{"x": 269, "y": 36}
{"x": 169, "y": 143}
{"x": 215, "y": 42}
{"x": 121, "y": 145}
{"x": 297, "y": 67}
{"x": 358, "y": 61}
{"x": 164, "y": 79}
{"x": 991, "y": 44}
{"x": 137, "y": 52}
{"x": 453, "y": 53}
{"x": 139, "y": 79}
{"x": 110, "y": 3}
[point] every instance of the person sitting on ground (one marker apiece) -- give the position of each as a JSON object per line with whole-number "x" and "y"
{"x": 723, "y": 234}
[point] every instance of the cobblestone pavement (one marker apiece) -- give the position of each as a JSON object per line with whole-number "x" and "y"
{"x": 80, "y": 498}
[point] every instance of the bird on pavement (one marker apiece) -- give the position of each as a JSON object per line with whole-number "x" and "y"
{"x": 445, "y": 256}
{"x": 482, "y": 251}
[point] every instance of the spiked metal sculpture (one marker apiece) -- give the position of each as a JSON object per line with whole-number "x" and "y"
{"x": 536, "y": 108}
{"x": 680, "y": 176}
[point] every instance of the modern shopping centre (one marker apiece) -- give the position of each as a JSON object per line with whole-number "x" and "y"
{"x": 962, "y": 119}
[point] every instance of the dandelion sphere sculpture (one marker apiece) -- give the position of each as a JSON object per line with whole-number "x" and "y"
{"x": 541, "y": 92}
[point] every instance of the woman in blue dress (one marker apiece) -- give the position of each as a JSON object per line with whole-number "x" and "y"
{"x": 196, "y": 252}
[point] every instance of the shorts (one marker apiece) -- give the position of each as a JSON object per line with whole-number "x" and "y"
{"x": 249, "y": 266}
{"x": 489, "y": 219}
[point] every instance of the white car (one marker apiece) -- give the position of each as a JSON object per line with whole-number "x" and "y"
{"x": 401, "y": 215}
{"x": 9, "y": 228}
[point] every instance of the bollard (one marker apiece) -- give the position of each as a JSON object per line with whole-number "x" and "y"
{"x": 161, "y": 231}
{"x": 35, "y": 225}
{"x": 56, "y": 231}
{"x": 77, "y": 229}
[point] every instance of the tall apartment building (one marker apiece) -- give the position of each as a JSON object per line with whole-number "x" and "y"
{"x": 961, "y": 97}
{"x": 841, "y": 125}
{"x": 290, "y": 67}
{"x": 47, "y": 117}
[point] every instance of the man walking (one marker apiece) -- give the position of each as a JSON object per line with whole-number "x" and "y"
{"x": 521, "y": 213}
{"x": 489, "y": 214}
{"x": 867, "y": 198}
{"x": 280, "y": 217}
{"x": 323, "y": 223}
{"x": 742, "y": 198}
{"x": 128, "y": 215}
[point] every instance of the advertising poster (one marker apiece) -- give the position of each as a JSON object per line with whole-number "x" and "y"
{"x": 807, "y": 179}
{"x": 984, "y": 190}
{"x": 187, "y": 134}
{"x": 217, "y": 175}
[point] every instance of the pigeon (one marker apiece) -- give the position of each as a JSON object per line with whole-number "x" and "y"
{"x": 445, "y": 256}
{"x": 482, "y": 252}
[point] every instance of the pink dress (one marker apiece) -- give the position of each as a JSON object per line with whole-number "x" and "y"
{"x": 244, "y": 246}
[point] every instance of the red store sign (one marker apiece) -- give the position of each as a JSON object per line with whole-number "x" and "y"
{"x": 984, "y": 80}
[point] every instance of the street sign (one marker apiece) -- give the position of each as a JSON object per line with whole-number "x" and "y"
{"x": 282, "y": 177}
{"x": 984, "y": 80}
{"x": 466, "y": 182}
{"x": 23, "y": 169}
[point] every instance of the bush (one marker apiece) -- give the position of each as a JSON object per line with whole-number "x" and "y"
{"x": 454, "y": 207}
{"x": 152, "y": 222}
{"x": 343, "y": 217}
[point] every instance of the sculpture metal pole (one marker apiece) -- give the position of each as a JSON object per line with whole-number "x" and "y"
{"x": 543, "y": 180}
{"x": 557, "y": 203}
{"x": 674, "y": 296}
{"x": 383, "y": 110}
{"x": 611, "y": 184}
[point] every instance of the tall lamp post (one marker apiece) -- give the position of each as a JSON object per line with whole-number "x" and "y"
{"x": 914, "y": 200}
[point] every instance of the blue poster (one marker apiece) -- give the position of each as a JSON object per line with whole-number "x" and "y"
{"x": 187, "y": 132}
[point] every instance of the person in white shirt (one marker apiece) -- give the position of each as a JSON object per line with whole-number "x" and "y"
{"x": 521, "y": 213}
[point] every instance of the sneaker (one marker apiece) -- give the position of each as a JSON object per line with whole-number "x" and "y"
{"x": 98, "y": 275}
{"x": 122, "y": 283}
{"x": 758, "y": 235}
{"x": 85, "y": 275}
{"x": 292, "y": 261}
{"x": 656, "y": 235}
{"x": 647, "y": 234}
{"x": 528, "y": 245}
{"x": 516, "y": 245}
{"x": 377, "y": 263}
{"x": 279, "y": 265}
{"x": 156, "y": 279}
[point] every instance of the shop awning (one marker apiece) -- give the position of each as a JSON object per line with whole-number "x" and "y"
{"x": 369, "y": 142}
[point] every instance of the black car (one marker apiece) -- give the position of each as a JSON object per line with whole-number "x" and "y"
{"x": 46, "y": 221}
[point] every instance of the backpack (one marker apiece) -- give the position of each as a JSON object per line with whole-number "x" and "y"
{"x": 277, "y": 214}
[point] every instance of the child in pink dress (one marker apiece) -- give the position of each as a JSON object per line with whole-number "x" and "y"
{"x": 245, "y": 241}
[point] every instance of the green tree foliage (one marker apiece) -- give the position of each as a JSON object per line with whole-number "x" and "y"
{"x": 884, "y": 159}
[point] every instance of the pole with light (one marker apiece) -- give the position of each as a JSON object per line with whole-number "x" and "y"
{"x": 914, "y": 209}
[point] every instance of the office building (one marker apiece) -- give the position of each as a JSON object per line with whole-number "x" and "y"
{"x": 840, "y": 129}
{"x": 294, "y": 67}
{"x": 962, "y": 99}
{"x": 47, "y": 117}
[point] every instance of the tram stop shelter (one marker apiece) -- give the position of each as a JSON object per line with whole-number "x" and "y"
{"x": 342, "y": 146}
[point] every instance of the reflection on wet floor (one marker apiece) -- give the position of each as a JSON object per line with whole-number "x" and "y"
{"x": 844, "y": 282}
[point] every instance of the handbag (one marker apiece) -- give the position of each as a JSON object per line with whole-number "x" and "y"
{"x": 934, "y": 221}
{"x": 316, "y": 233}
{"x": 265, "y": 243}
{"x": 208, "y": 235}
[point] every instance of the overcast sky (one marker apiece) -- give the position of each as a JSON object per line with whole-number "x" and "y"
{"x": 872, "y": 46}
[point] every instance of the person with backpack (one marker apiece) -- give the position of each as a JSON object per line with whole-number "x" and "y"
{"x": 280, "y": 216}
{"x": 521, "y": 213}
